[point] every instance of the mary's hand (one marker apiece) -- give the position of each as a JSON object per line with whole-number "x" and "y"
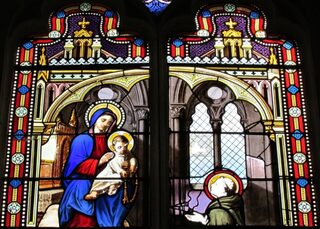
{"x": 106, "y": 157}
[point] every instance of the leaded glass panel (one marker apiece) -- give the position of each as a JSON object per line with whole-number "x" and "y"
{"x": 233, "y": 154}
{"x": 201, "y": 144}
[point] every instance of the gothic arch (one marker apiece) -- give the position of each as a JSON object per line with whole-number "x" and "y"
{"x": 76, "y": 93}
{"x": 241, "y": 90}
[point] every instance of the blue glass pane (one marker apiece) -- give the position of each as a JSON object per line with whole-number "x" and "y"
{"x": 156, "y": 6}
{"x": 15, "y": 183}
{"x": 302, "y": 182}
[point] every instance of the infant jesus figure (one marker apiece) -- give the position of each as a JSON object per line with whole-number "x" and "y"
{"x": 122, "y": 165}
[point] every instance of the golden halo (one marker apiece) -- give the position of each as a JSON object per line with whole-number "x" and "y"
{"x": 122, "y": 133}
{"x": 113, "y": 106}
{"x": 226, "y": 173}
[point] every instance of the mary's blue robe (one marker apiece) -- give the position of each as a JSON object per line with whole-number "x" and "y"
{"x": 108, "y": 210}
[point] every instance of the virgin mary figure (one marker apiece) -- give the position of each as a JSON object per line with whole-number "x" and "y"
{"x": 89, "y": 153}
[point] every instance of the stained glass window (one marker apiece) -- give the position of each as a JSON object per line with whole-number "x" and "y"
{"x": 73, "y": 115}
{"x": 249, "y": 87}
{"x": 206, "y": 127}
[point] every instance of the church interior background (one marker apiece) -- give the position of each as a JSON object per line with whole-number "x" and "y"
{"x": 200, "y": 85}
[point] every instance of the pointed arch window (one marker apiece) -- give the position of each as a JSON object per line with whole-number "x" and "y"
{"x": 200, "y": 144}
{"x": 233, "y": 150}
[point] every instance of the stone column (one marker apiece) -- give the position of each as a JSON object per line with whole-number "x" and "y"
{"x": 178, "y": 158}
{"x": 177, "y": 141}
{"x": 141, "y": 151}
{"x": 216, "y": 126}
{"x": 142, "y": 139}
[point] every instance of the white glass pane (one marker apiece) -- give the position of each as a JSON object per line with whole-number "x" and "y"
{"x": 201, "y": 145}
{"x": 201, "y": 119}
{"x": 233, "y": 153}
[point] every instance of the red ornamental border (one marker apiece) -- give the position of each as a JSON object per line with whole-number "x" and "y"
{"x": 296, "y": 135}
{"x": 15, "y": 193}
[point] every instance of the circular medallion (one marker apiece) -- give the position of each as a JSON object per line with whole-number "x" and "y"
{"x": 294, "y": 112}
{"x": 21, "y": 112}
{"x": 229, "y": 7}
{"x": 105, "y": 93}
{"x": 17, "y": 158}
{"x": 299, "y": 158}
{"x": 14, "y": 208}
{"x": 85, "y": 6}
{"x": 304, "y": 207}
{"x": 215, "y": 93}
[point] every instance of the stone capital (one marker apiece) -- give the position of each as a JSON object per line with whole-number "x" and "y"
{"x": 177, "y": 110}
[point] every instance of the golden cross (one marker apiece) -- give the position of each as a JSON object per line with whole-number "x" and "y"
{"x": 83, "y": 23}
{"x": 231, "y": 23}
